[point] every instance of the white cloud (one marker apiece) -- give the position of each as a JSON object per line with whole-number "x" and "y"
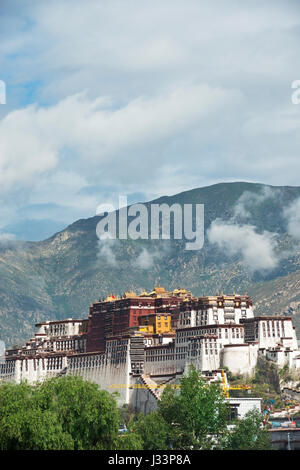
{"x": 249, "y": 200}
{"x": 106, "y": 253}
{"x": 119, "y": 37}
{"x": 24, "y": 151}
{"x": 6, "y": 238}
{"x": 35, "y": 140}
{"x": 256, "y": 249}
{"x": 292, "y": 215}
{"x": 284, "y": 121}
{"x": 181, "y": 95}
{"x": 145, "y": 259}
{"x": 235, "y": 237}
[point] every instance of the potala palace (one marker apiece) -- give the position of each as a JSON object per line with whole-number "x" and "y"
{"x": 135, "y": 344}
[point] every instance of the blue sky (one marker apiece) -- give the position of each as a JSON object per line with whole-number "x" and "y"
{"x": 109, "y": 97}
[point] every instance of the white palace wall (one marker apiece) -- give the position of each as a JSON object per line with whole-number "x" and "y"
{"x": 239, "y": 358}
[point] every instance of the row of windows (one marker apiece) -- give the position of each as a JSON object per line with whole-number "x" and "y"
{"x": 207, "y": 352}
{"x": 183, "y": 334}
{"x": 279, "y": 327}
{"x": 116, "y": 348}
{"x": 169, "y": 357}
{"x": 70, "y": 345}
{"x": 7, "y": 367}
{"x": 118, "y": 355}
{"x": 86, "y": 362}
{"x": 52, "y": 363}
{"x": 56, "y": 330}
{"x": 117, "y": 342}
{"x": 155, "y": 352}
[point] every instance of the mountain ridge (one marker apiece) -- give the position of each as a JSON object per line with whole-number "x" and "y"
{"x": 62, "y": 275}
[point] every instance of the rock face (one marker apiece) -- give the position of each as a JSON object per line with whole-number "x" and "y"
{"x": 279, "y": 296}
{"x": 60, "y": 277}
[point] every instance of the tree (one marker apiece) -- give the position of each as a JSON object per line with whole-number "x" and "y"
{"x": 61, "y": 413}
{"x": 24, "y": 426}
{"x": 88, "y": 414}
{"x": 198, "y": 414}
{"x": 154, "y": 431}
{"x": 129, "y": 441}
{"x": 248, "y": 434}
{"x": 70, "y": 413}
{"x": 127, "y": 413}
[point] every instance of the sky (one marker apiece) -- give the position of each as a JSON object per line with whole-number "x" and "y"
{"x": 144, "y": 99}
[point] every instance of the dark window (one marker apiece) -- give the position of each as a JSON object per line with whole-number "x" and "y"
{"x": 234, "y": 412}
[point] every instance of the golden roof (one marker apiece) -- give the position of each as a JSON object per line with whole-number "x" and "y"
{"x": 110, "y": 298}
{"x": 160, "y": 290}
{"x": 129, "y": 294}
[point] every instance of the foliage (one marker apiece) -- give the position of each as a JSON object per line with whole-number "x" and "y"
{"x": 230, "y": 376}
{"x": 285, "y": 374}
{"x": 129, "y": 441}
{"x": 88, "y": 414}
{"x": 154, "y": 430}
{"x": 267, "y": 372}
{"x": 61, "y": 413}
{"x": 25, "y": 426}
{"x": 127, "y": 414}
{"x": 248, "y": 434}
{"x": 71, "y": 413}
{"x": 267, "y": 382}
{"x": 198, "y": 413}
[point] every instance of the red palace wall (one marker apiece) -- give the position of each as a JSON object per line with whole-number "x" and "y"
{"x": 115, "y": 317}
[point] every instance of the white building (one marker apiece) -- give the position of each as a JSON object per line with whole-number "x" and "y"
{"x": 241, "y": 406}
{"x": 212, "y": 333}
{"x": 214, "y": 310}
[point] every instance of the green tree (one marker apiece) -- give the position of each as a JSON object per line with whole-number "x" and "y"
{"x": 129, "y": 441}
{"x": 154, "y": 431}
{"x": 61, "y": 413}
{"x": 127, "y": 413}
{"x": 24, "y": 426}
{"x": 248, "y": 434}
{"x": 198, "y": 414}
{"x": 86, "y": 413}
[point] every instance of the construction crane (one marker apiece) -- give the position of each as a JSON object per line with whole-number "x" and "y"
{"x": 226, "y": 387}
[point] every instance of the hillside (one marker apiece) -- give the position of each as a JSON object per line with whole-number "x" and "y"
{"x": 279, "y": 296}
{"x": 61, "y": 276}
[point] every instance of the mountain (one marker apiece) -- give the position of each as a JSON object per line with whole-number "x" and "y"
{"x": 60, "y": 277}
{"x": 278, "y": 296}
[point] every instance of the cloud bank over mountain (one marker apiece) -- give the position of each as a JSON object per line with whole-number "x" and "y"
{"x": 257, "y": 250}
